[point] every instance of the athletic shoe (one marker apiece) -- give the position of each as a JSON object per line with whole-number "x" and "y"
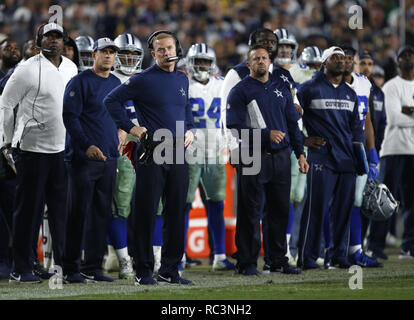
{"x": 97, "y": 276}
{"x": 309, "y": 265}
{"x": 74, "y": 278}
{"x": 340, "y": 262}
{"x": 41, "y": 272}
{"x": 359, "y": 258}
{"x": 162, "y": 279}
{"x": 191, "y": 262}
{"x": 27, "y": 277}
{"x": 406, "y": 254}
{"x": 125, "y": 268}
{"x": 223, "y": 265}
{"x": 376, "y": 254}
{"x": 145, "y": 281}
{"x": 248, "y": 271}
{"x": 4, "y": 271}
{"x": 266, "y": 268}
{"x": 286, "y": 269}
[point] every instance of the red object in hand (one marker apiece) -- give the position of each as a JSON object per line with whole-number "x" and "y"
{"x": 129, "y": 147}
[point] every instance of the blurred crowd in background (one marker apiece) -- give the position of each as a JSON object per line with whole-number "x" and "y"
{"x": 223, "y": 24}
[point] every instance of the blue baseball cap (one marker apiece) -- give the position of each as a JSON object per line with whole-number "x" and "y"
{"x": 103, "y": 43}
{"x": 366, "y": 54}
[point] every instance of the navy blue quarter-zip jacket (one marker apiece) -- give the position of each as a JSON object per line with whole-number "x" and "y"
{"x": 252, "y": 104}
{"x": 331, "y": 113}
{"x": 160, "y": 99}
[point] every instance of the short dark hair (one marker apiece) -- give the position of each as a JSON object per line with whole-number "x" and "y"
{"x": 349, "y": 50}
{"x": 255, "y": 34}
{"x": 256, "y": 47}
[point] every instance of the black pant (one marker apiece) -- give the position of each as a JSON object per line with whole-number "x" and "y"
{"x": 274, "y": 182}
{"x": 326, "y": 189}
{"x": 153, "y": 182}
{"x": 40, "y": 178}
{"x": 92, "y": 185}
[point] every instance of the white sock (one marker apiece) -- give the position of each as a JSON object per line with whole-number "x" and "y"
{"x": 219, "y": 257}
{"x": 122, "y": 253}
{"x": 353, "y": 249}
{"x": 183, "y": 259}
{"x": 287, "y": 241}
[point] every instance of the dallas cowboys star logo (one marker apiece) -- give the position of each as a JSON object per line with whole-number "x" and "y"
{"x": 318, "y": 167}
{"x": 279, "y": 93}
{"x": 284, "y": 78}
{"x": 182, "y": 92}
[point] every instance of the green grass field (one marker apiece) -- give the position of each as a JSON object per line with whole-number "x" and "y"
{"x": 393, "y": 282}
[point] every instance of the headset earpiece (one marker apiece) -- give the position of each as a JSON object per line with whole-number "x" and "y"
{"x": 178, "y": 47}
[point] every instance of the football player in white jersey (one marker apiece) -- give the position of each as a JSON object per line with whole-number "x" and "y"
{"x": 286, "y": 56}
{"x": 362, "y": 87}
{"x": 208, "y": 169}
{"x": 85, "y": 44}
{"x": 127, "y": 63}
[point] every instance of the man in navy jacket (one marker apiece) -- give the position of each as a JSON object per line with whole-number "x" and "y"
{"x": 160, "y": 96}
{"x": 257, "y": 103}
{"x": 331, "y": 112}
{"x": 91, "y": 154}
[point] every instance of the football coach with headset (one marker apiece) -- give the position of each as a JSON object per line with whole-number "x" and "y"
{"x": 37, "y": 86}
{"x": 160, "y": 96}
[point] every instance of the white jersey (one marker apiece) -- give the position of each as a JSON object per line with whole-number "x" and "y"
{"x": 301, "y": 73}
{"x": 129, "y": 105}
{"x": 362, "y": 87}
{"x": 399, "y": 131}
{"x": 207, "y": 104}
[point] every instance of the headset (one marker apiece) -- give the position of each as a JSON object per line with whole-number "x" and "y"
{"x": 178, "y": 48}
{"x": 39, "y": 37}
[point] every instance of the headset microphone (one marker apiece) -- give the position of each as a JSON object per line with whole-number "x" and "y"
{"x": 176, "y": 58}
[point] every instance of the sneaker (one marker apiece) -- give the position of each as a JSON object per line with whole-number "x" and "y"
{"x": 341, "y": 263}
{"x": 173, "y": 280}
{"x": 376, "y": 254}
{"x": 145, "y": 281}
{"x": 286, "y": 269}
{"x": 96, "y": 276}
{"x": 27, "y": 277}
{"x": 266, "y": 268}
{"x": 74, "y": 278}
{"x": 249, "y": 271}
{"x": 4, "y": 271}
{"x": 125, "y": 268}
{"x": 191, "y": 262}
{"x": 406, "y": 254}
{"x": 308, "y": 265}
{"x": 359, "y": 258}
{"x": 41, "y": 272}
{"x": 223, "y": 265}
